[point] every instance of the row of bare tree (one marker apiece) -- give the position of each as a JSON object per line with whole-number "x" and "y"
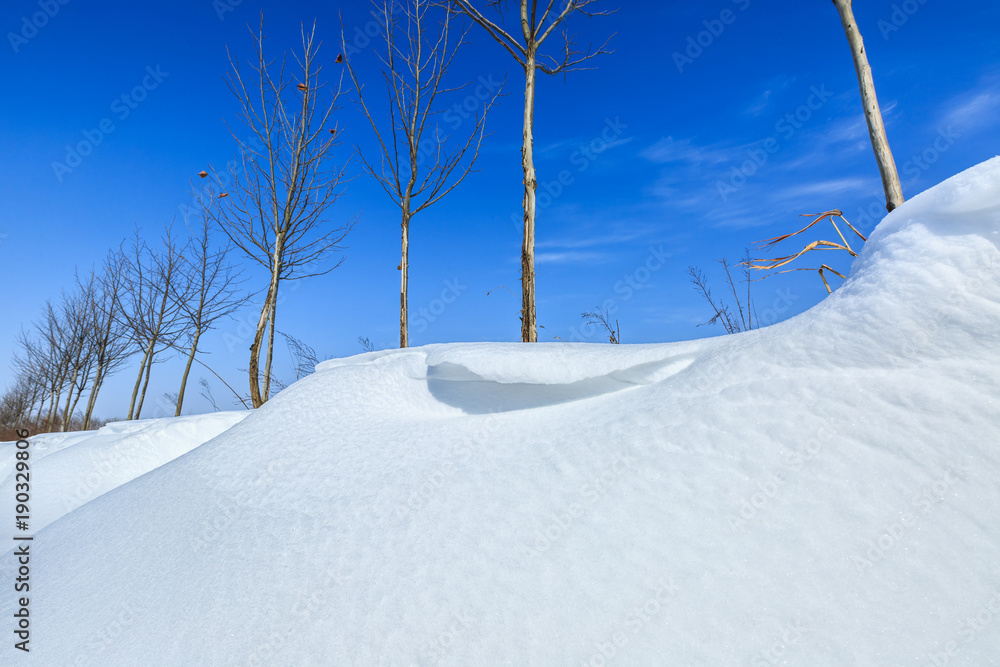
{"x": 146, "y": 300}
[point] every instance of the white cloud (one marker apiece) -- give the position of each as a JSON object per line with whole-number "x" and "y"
{"x": 821, "y": 188}
{"x": 570, "y": 257}
{"x": 670, "y": 150}
{"x": 974, "y": 112}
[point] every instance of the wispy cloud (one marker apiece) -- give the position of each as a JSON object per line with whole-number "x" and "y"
{"x": 571, "y": 257}
{"x": 772, "y": 90}
{"x": 669, "y": 150}
{"x": 824, "y": 187}
{"x": 625, "y": 236}
{"x": 974, "y": 112}
{"x": 759, "y": 103}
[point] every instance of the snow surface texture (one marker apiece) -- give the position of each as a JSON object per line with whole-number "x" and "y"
{"x": 71, "y": 469}
{"x": 825, "y": 491}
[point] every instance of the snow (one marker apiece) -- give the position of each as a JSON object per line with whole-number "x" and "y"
{"x": 71, "y": 469}
{"x": 820, "y": 492}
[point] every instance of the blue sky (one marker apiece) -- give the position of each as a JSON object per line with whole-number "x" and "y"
{"x": 648, "y": 146}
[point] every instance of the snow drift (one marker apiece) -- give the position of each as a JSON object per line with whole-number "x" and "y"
{"x": 71, "y": 469}
{"x": 825, "y": 491}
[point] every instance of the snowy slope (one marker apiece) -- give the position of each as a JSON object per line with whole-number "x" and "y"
{"x": 71, "y": 469}
{"x": 825, "y": 491}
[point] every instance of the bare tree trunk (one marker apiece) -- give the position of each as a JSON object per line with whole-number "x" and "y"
{"x": 258, "y": 341}
{"x": 404, "y": 266}
{"x": 53, "y": 408}
{"x": 415, "y": 65}
{"x": 536, "y": 30}
{"x": 187, "y": 369}
{"x": 529, "y": 333}
{"x": 145, "y": 384}
{"x": 270, "y": 351}
{"x": 92, "y": 399}
{"x": 138, "y": 380}
{"x": 274, "y": 209}
{"x": 69, "y": 398}
{"x": 265, "y": 317}
{"x": 873, "y": 115}
{"x": 41, "y": 409}
{"x": 76, "y": 401}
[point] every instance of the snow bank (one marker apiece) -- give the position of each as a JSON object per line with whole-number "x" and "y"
{"x": 821, "y": 492}
{"x": 71, "y": 469}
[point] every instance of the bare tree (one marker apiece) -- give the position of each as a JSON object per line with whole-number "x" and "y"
{"x": 416, "y": 167}
{"x": 873, "y": 114}
{"x": 78, "y": 316}
{"x": 31, "y": 368}
{"x": 111, "y": 340}
{"x": 58, "y": 357}
{"x": 49, "y": 353}
{"x": 536, "y": 30}
{"x": 214, "y": 293}
{"x": 155, "y": 293}
{"x": 283, "y": 182}
{"x": 16, "y": 403}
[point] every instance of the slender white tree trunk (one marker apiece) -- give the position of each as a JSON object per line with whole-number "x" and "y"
{"x": 76, "y": 401}
{"x": 404, "y": 268}
{"x": 187, "y": 370}
{"x": 529, "y": 333}
{"x": 145, "y": 384}
{"x": 69, "y": 398}
{"x": 256, "y": 397}
{"x": 138, "y": 380}
{"x": 92, "y": 399}
{"x": 873, "y": 115}
{"x": 270, "y": 350}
